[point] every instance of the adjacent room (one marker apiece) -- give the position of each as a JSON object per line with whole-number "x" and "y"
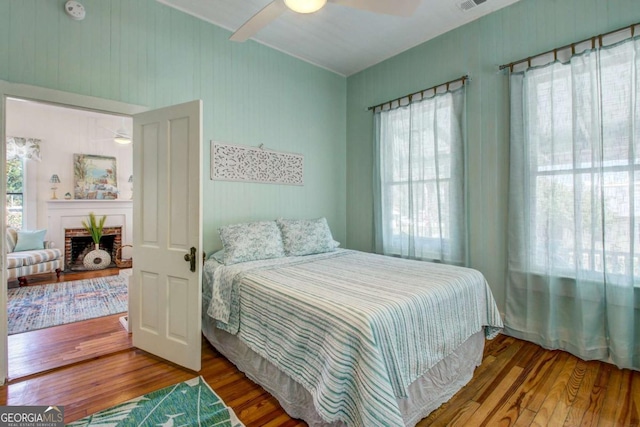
{"x": 323, "y": 213}
{"x": 48, "y": 198}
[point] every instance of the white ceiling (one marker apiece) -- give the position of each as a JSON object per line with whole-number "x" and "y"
{"x": 339, "y": 38}
{"x": 97, "y": 125}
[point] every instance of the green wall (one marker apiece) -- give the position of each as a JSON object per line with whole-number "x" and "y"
{"x": 141, "y": 52}
{"x": 520, "y": 30}
{"x": 144, "y": 53}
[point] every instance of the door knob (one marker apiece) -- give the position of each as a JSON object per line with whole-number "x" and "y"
{"x": 191, "y": 258}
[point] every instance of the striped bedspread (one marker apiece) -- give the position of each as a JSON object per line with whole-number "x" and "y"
{"x": 355, "y": 329}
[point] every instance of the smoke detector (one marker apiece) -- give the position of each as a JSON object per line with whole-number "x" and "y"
{"x": 469, "y": 4}
{"x": 75, "y": 10}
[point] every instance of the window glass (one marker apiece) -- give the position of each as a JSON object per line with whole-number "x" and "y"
{"x": 15, "y": 193}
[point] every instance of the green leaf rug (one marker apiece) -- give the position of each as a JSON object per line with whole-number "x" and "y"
{"x": 190, "y": 403}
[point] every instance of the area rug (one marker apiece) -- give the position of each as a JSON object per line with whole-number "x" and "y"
{"x": 190, "y": 403}
{"x": 42, "y": 306}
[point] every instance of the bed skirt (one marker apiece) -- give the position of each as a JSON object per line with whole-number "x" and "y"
{"x": 426, "y": 394}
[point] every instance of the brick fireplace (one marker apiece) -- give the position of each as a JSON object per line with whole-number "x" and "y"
{"x": 78, "y": 242}
{"x": 66, "y": 215}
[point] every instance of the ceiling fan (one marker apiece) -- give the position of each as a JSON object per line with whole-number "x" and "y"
{"x": 277, "y": 7}
{"x": 120, "y": 135}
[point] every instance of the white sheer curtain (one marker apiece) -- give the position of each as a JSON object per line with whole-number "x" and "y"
{"x": 574, "y": 209}
{"x": 23, "y": 148}
{"x": 419, "y": 179}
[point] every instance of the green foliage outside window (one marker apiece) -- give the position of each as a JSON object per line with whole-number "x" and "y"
{"x": 15, "y": 189}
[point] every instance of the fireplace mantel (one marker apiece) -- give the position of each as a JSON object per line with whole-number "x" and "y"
{"x": 64, "y": 214}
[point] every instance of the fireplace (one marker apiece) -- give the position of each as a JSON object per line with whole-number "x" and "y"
{"x": 69, "y": 214}
{"x": 78, "y": 242}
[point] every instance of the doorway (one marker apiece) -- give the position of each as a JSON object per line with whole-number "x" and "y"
{"x": 58, "y": 321}
{"x": 50, "y": 98}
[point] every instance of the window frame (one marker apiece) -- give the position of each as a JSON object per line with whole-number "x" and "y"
{"x": 630, "y": 164}
{"x": 431, "y": 246}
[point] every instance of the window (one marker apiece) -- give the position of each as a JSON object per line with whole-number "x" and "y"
{"x": 574, "y": 196}
{"x": 21, "y": 180}
{"x": 420, "y": 164}
{"x": 582, "y": 140}
{"x": 15, "y": 193}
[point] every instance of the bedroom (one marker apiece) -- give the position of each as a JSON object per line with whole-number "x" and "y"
{"x": 296, "y": 107}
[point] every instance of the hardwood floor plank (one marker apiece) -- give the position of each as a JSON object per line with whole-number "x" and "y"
{"x": 258, "y": 409}
{"x": 282, "y": 420}
{"x": 465, "y": 413}
{"x": 523, "y": 355}
{"x": 523, "y": 387}
{"x": 525, "y": 419}
{"x": 546, "y": 379}
{"x": 561, "y": 410}
{"x": 595, "y": 400}
{"x": 499, "y": 344}
{"x": 556, "y": 393}
{"x": 499, "y": 394}
{"x": 613, "y": 385}
{"x": 584, "y": 395}
{"x": 635, "y": 393}
{"x": 625, "y": 401}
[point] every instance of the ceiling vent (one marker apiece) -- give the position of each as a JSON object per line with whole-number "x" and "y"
{"x": 470, "y": 4}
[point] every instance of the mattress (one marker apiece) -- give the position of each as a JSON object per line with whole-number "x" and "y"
{"x": 355, "y": 330}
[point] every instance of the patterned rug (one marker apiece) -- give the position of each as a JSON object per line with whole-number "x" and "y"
{"x": 191, "y": 403}
{"x": 42, "y": 306}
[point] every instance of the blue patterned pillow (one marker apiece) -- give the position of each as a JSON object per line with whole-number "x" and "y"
{"x": 251, "y": 241}
{"x": 306, "y": 236}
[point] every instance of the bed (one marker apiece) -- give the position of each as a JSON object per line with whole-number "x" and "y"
{"x": 344, "y": 337}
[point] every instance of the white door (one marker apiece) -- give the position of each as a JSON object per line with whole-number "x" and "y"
{"x": 165, "y": 289}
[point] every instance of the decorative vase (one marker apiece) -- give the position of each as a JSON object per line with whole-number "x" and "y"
{"x": 97, "y": 259}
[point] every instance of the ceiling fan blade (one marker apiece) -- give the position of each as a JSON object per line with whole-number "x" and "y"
{"x": 259, "y": 21}
{"x": 396, "y": 7}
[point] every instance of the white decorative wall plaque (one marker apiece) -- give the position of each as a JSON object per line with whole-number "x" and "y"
{"x": 252, "y": 164}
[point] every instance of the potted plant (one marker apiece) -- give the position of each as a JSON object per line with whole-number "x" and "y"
{"x": 96, "y": 259}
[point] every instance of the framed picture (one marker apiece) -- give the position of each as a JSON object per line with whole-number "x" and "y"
{"x": 94, "y": 177}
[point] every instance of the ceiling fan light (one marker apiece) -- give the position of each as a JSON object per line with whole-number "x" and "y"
{"x": 122, "y": 139}
{"x": 305, "y": 6}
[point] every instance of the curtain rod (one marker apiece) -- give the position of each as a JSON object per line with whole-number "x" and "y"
{"x": 421, "y": 92}
{"x": 572, "y": 46}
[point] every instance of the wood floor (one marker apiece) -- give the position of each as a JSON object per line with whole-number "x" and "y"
{"x": 518, "y": 384}
{"x": 45, "y": 349}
